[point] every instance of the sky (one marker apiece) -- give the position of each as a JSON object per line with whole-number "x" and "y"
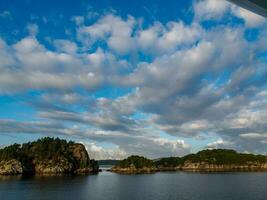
{"x": 148, "y": 77}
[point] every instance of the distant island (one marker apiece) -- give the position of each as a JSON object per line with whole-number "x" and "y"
{"x": 46, "y": 156}
{"x": 218, "y": 160}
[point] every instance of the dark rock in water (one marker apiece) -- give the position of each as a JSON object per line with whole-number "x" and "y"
{"x": 46, "y": 156}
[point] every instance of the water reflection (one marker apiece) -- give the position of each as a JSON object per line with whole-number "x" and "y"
{"x": 159, "y": 186}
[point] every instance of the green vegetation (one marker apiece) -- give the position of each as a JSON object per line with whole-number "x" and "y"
{"x": 135, "y": 161}
{"x": 49, "y": 149}
{"x": 224, "y": 156}
{"x": 168, "y": 162}
{"x": 10, "y": 152}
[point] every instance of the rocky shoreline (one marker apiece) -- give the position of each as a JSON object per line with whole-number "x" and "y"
{"x": 194, "y": 168}
{"x": 132, "y": 170}
{"x": 204, "y": 167}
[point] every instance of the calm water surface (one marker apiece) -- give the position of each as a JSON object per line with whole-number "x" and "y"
{"x": 159, "y": 186}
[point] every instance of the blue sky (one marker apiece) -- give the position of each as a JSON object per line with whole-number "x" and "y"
{"x": 148, "y": 77}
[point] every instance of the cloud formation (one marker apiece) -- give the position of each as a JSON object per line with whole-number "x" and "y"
{"x": 125, "y": 87}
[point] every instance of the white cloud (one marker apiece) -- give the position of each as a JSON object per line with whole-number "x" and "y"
{"x": 33, "y": 29}
{"x": 254, "y": 135}
{"x": 112, "y": 29}
{"x": 124, "y": 36}
{"x": 174, "y": 145}
{"x": 210, "y": 9}
{"x": 148, "y": 37}
{"x": 251, "y": 19}
{"x": 66, "y": 46}
{"x": 101, "y": 153}
{"x": 6, "y": 56}
{"x": 36, "y": 67}
{"x": 163, "y": 39}
{"x": 220, "y": 144}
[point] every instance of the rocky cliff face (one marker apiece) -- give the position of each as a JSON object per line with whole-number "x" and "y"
{"x": 46, "y": 156}
{"x": 10, "y": 167}
{"x": 80, "y": 155}
{"x": 62, "y": 166}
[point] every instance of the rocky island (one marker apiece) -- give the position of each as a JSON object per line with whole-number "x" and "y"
{"x": 134, "y": 165}
{"x": 47, "y": 156}
{"x": 219, "y": 160}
